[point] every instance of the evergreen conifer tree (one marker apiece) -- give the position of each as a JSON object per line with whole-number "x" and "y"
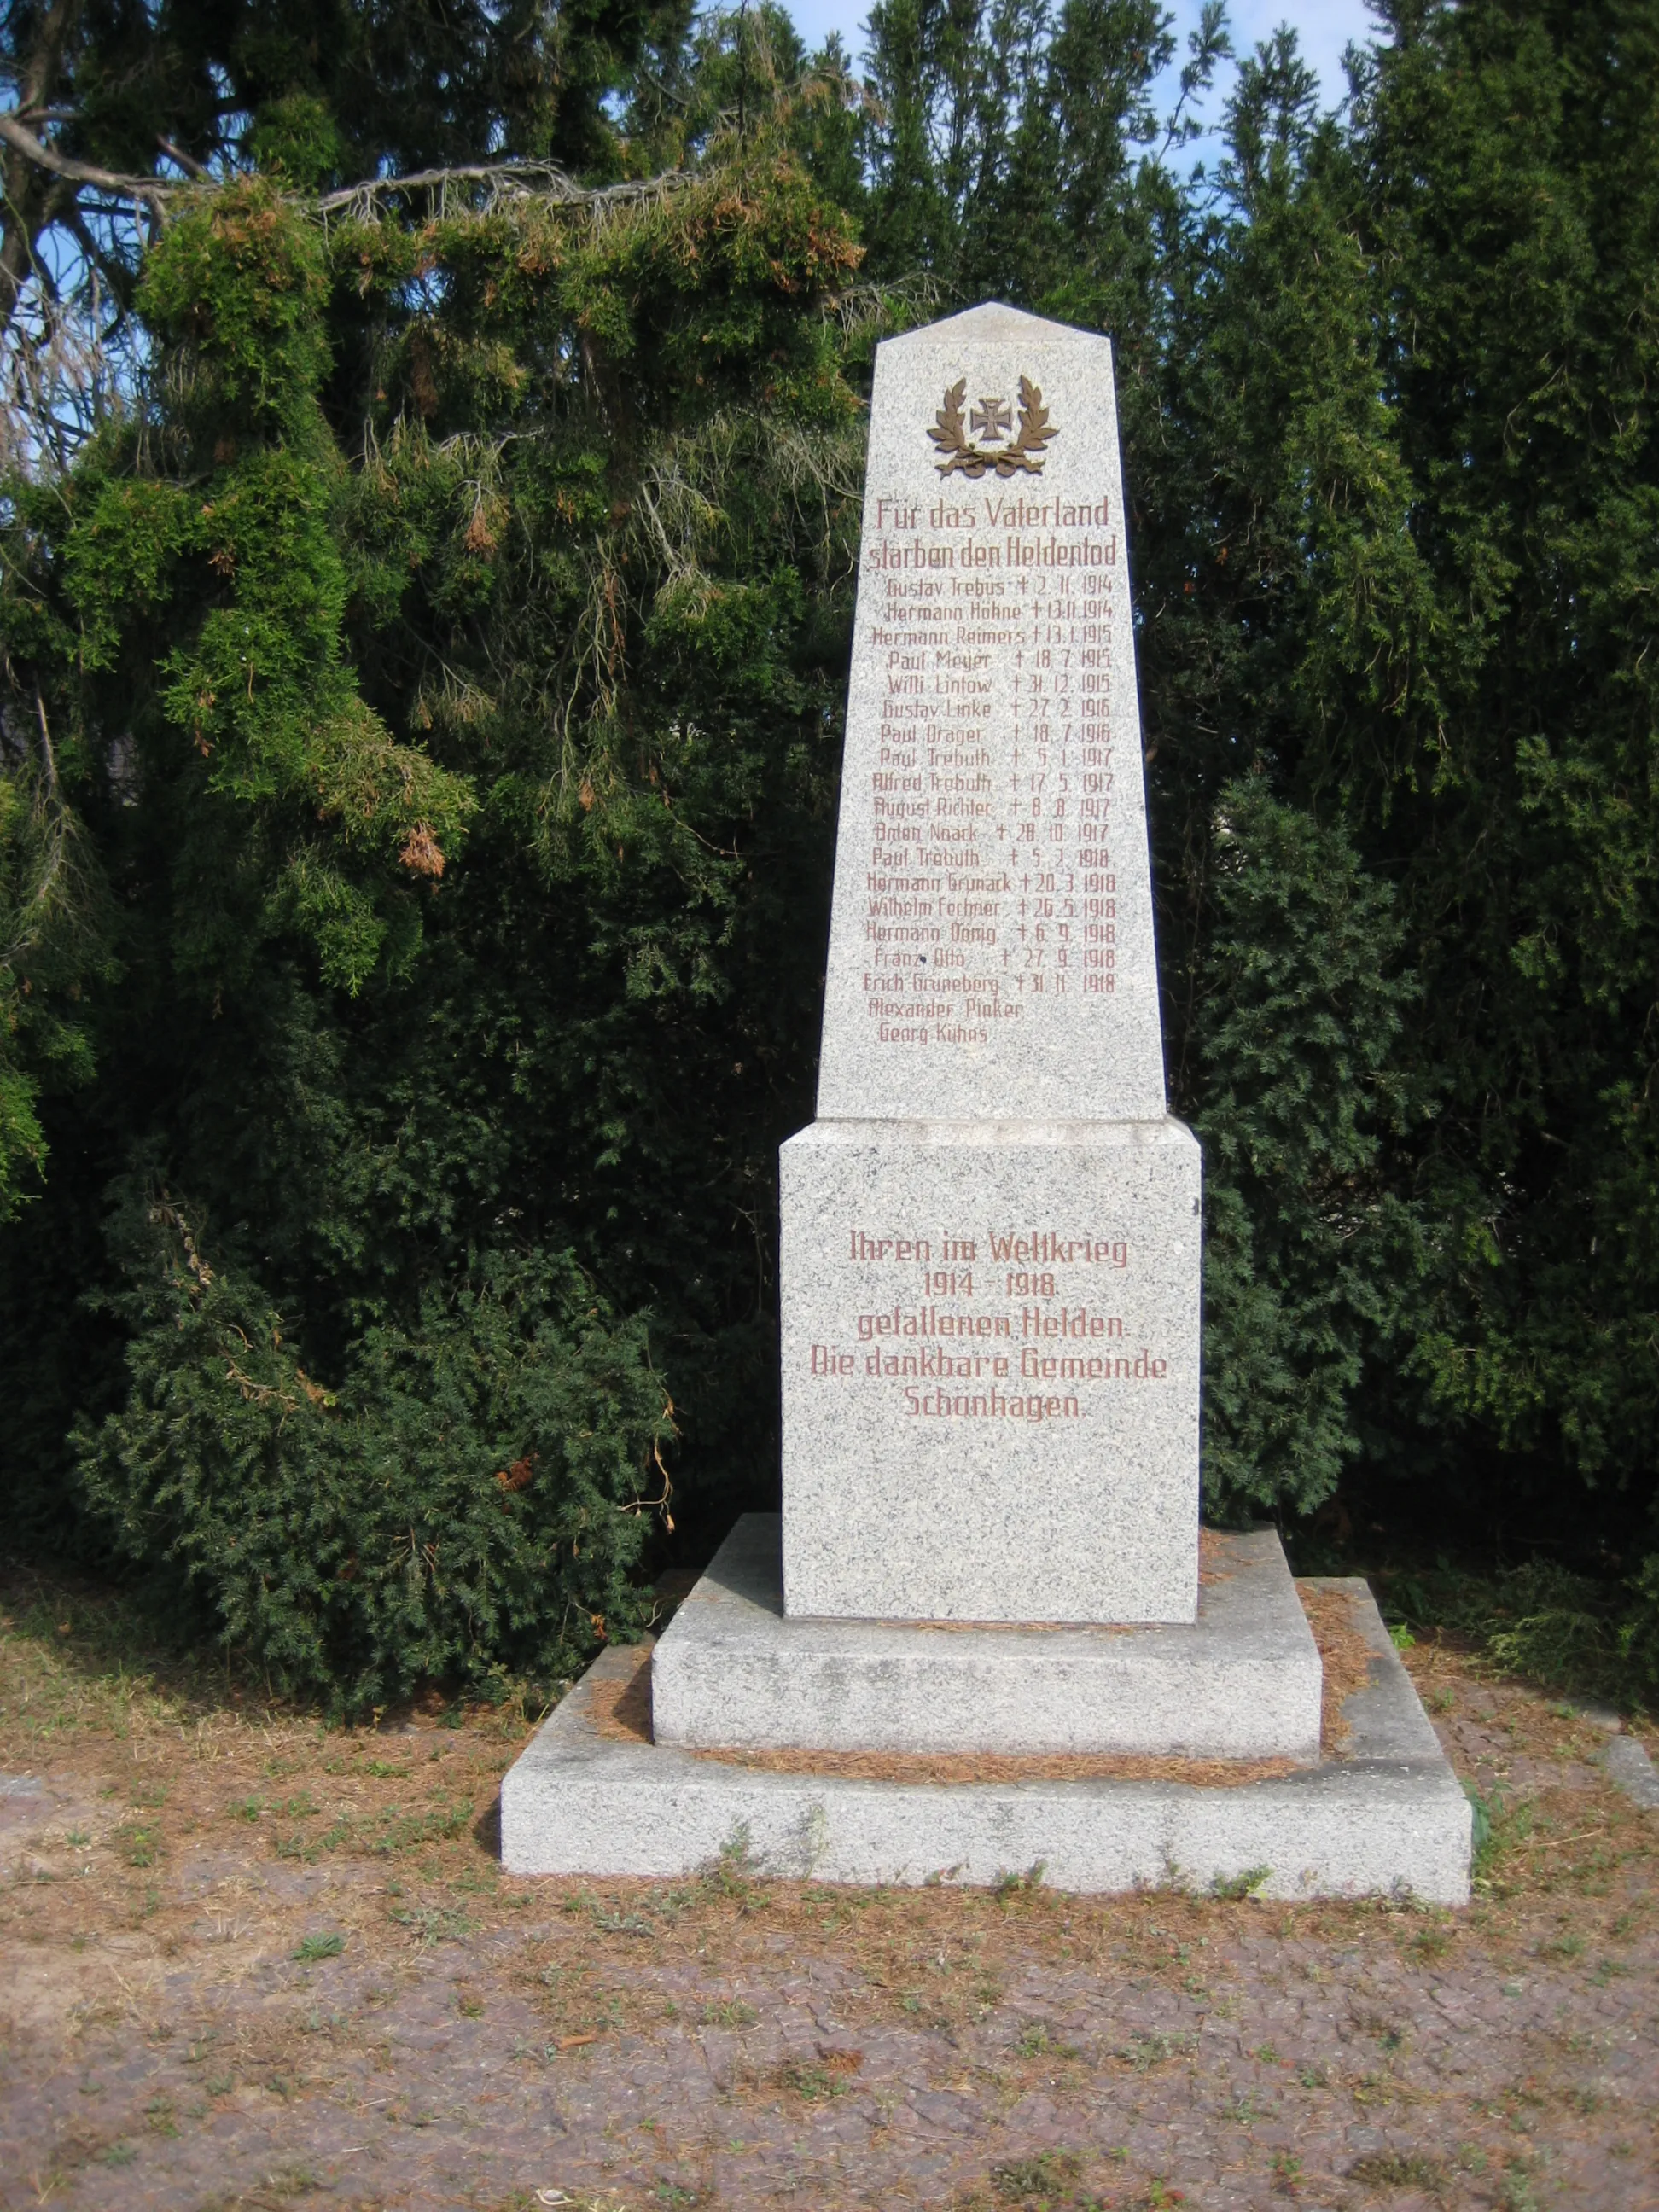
{"x": 421, "y": 726}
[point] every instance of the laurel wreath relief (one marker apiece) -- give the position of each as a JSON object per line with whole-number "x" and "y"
{"x": 949, "y": 433}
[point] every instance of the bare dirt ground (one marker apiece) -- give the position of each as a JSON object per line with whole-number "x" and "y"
{"x": 245, "y": 1959}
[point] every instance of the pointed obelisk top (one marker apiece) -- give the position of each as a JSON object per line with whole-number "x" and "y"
{"x": 993, "y": 322}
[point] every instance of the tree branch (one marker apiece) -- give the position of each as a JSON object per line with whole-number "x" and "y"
{"x": 187, "y": 163}
{"x": 524, "y": 177}
{"x": 27, "y": 203}
{"x": 115, "y": 273}
{"x": 148, "y": 189}
{"x": 35, "y": 82}
{"x": 540, "y": 178}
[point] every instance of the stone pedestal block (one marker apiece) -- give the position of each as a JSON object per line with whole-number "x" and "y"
{"x": 1241, "y": 1682}
{"x": 991, "y": 1370}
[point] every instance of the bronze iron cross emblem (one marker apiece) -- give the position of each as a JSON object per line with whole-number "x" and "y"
{"x": 992, "y": 422}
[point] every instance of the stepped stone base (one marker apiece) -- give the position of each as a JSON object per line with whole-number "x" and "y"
{"x": 1241, "y": 1682}
{"x": 593, "y": 1795}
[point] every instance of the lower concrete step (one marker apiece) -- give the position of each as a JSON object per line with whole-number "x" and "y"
{"x": 1381, "y": 1812}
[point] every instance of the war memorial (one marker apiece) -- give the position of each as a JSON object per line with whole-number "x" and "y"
{"x": 986, "y": 1633}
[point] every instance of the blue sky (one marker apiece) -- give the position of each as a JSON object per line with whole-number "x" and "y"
{"x": 1324, "y": 27}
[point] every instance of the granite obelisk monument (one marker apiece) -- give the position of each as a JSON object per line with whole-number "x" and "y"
{"x": 985, "y": 1583}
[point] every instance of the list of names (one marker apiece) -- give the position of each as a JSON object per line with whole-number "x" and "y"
{"x": 990, "y": 882}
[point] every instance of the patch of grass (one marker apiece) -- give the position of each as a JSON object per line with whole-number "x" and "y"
{"x": 1143, "y": 2051}
{"x": 381, "y": 1835}
{"x": 1499, "y": 1824}
{"x": 1399, "y": 2169}
{"x": 82, "y": 1659}
{"x": 814, "y": 2083}
{"x": 1021, "y": 2180}
{"x": 732, "y": 2014}
{"x": 734, "y": 1873}
{"x": 1241, "y": 1885}
{"x": 1037, "y": 2040}
{"x": 818, "y": 2080}
{"x": 1008, "y": 1885}
{"x": 435, "y": 1923}
{"x": 117, "y": 2154}
{"x": 313, "y": 1948}
{"x": 292, "y": 2181}
{"x": 622, "y": 1923}
{"x": 1564, "y": 1632}
{"x": 1519, "y": 2194}
{"x": 409, "y": 1830}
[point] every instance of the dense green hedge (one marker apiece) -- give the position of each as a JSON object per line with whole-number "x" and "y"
{"x": 422, "y": 720}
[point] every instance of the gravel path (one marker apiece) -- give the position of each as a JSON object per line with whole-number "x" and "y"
{"x": 247, "y": 1961}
